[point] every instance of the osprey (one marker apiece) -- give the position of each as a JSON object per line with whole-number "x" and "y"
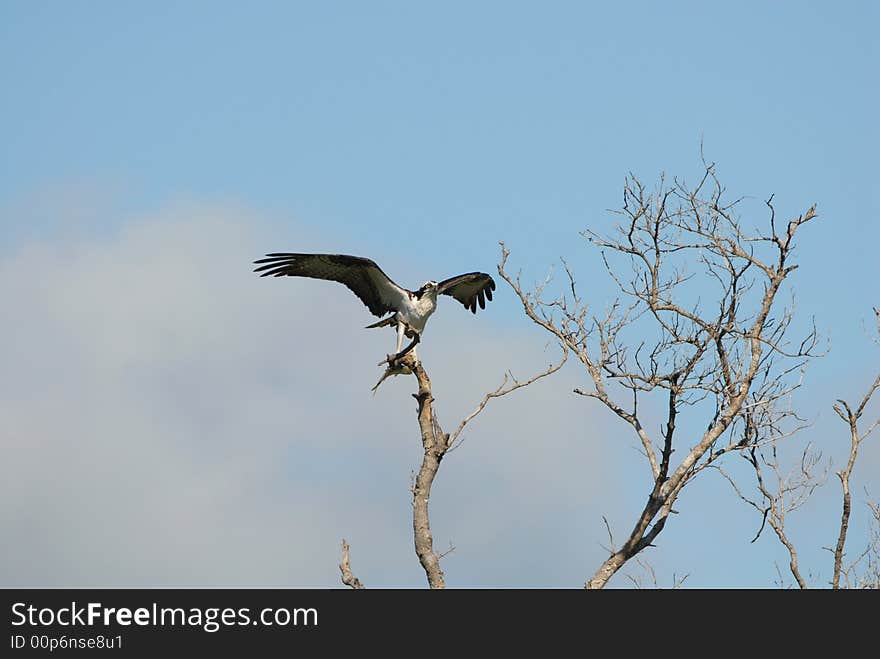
{"x": 409, "y": 310}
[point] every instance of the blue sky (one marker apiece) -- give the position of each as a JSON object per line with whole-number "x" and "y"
{"x": 420, "y": 136}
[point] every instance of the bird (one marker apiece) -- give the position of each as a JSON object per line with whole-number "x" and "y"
{"x": 405, "y": 310}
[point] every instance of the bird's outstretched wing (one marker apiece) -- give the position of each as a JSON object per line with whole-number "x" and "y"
{"x": 469, "y": 289}
{"x": 362, "y": 276}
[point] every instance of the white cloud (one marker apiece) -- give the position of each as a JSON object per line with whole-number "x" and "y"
{"x": 169, "y": 418}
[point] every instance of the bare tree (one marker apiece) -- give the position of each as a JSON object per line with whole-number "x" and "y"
{"x": 729, "y": 360}
{"x": 436, "y": 444}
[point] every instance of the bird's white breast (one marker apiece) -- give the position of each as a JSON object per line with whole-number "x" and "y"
{"x": 418, "y": 309}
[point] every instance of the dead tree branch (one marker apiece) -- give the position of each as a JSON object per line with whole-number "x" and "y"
{"x": 648, "y": 569}
{"x": 436, "y": 444}
{"x": 345, "y": 568}
{"x": 503, "y": 389}
{"x": 790, "y": 491}
{"x": 851, "y": 417}
{"x": 871, "y": 577}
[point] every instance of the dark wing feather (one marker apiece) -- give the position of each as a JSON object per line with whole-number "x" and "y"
{"x": 469, "y": 289}
{"x": 362, "y": 276}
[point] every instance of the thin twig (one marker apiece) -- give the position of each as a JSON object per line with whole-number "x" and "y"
{"x": 503, "y": 390}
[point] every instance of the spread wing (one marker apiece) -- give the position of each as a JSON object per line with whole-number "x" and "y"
{"x": 469, "y": 289}
{"x": 362, "y": 276}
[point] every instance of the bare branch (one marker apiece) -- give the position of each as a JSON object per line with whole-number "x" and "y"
{"x": 611, "y": 548}
{"x": 435, "y": 443}
{"x": 502, "y": 390}
{"x": 447, "y": 552}
{"x": 345, "y": 567}
{"x": 648, "y": 569}
{"x": 851, "y": 417}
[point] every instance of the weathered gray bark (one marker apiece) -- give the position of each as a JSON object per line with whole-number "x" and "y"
{"x": 435, "y": 445}
{"x": 345, "y": 568}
